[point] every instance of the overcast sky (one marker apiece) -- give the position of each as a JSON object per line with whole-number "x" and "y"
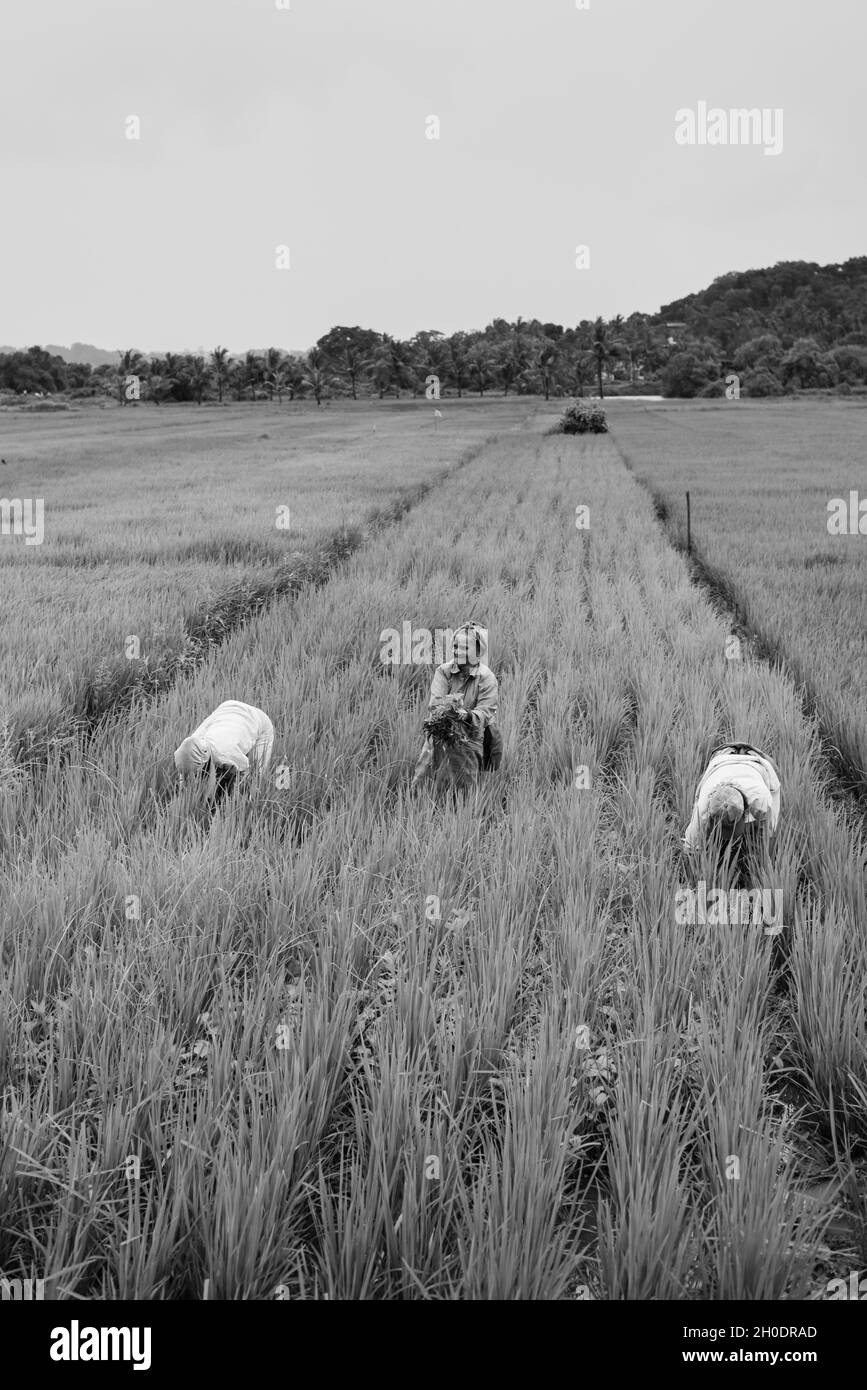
{"x": 306, "y": 127}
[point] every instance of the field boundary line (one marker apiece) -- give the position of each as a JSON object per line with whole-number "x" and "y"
{"x": 847, "y": 786}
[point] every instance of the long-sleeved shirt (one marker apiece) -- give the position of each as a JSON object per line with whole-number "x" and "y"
{"x": 236, "y": 735}
{"x": 754, "y": 776}
{"x": 477, "y": 686}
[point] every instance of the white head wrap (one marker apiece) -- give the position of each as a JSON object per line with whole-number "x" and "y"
{"x": 726, "y": 803}
{"x": 469, "y": 646}
{"x": 193, "y": 754}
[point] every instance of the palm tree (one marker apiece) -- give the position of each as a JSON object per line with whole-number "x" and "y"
{"x": 294, "y": 372}
{"x": 236, "y": 378}
{"x": 459, "y": 364}
{"x": 520, "y": 352}
{"x": 200, "y": 378}
{"x": 354, "y": 364}
{"x": 131, "y": 364}
{"x": 161, "y": 377}
{"x": 220, "y": 363}
{"x": 605, "y": 350}
{"x": 252, "y": 372}
{"x": 382, "y": 368}
{"x": 272, "y": 366}
{"x": 583, "y": 363}
{"x": 479, "y": 363}
{"x": 315, "y": 378}
{"x": 157, "y": 383}
{"x": 547, "y": 358}
{"x": 507, "y": 367}
{"x": 278, "y": 380}
{"x": 390, "y": 365}
{"x": 173, "y": 369}
{"x": 635, "y": 341}
{"x": 315, "y": 375}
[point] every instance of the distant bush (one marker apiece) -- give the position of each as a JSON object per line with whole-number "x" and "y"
{"x": 764, "y": 353}
{"x": 851, "y": 364}
{"x": 687, "y": 373}
{"x": 763, "y": 384}
{"x": 714, "y": 389}
{"x": 582, "y": 418}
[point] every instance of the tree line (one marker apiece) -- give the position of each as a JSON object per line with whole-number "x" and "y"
{"x": 792, "y": 327}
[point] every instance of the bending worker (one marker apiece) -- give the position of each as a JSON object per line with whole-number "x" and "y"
{"x": 739, "y": 788}
{"x": 227, "y": 744}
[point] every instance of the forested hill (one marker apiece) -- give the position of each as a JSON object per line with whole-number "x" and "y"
{"x": 795, "y": 299}
{"x": 794, "y": 326}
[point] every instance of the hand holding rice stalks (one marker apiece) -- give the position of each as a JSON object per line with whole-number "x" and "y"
{"x": 445, "y": 722}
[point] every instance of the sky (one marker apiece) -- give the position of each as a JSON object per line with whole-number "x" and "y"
{"x": 307, "y": 126}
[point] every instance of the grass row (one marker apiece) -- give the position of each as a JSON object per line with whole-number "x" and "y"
{"x": 162, "y": 536}
{"x": 367, "y": 1045}
{"x": 760, "y": 480}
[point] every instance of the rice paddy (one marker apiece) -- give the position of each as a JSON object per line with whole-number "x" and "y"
{"x": 340, "y": 1040}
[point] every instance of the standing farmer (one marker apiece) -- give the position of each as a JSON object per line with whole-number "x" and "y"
{"x": 230, "y": 741}
{"x": 740, "y": 787}
{"x": 466, "y": 689}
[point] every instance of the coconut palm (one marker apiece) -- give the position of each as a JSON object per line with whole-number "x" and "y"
{"x": 200, "y": 378}
{"x": 279, "y": 380}
{"x": 271, "y": 366}
{"x": 480, "y": 364}
{"x": 174, "y": 372}
{"x": 315, "y": 375}
{"x": 160, "y": 382}
{"x": 252, "y": 372}
{"x": 131, "y": 364}
{"x": 237, "y": 378}
{"x": 459, "y": 367}
{"x": 606, "y": 350}
{"x": 635, "y": 341}
{"x": 547, "y": 361}
{"x": 158, "y": 386}
{"x": 583, "y": 363}
{"x": 506, "y": 366}
{"x": 220, "y": 365}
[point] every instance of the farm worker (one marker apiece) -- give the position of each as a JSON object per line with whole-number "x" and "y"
{"x": 467, "y": 683}
{"x": 229, "y": 742}
{"x": 739, "y": 788}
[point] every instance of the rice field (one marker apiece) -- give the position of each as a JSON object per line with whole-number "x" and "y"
{"x": 343, "y": 1041}
{"x": 760, "y": 477}
{"x": 159, "y": 522}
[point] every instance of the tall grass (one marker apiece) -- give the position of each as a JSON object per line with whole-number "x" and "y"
{"x": 760, "y": 479}
{"x": 370, "y": 1044}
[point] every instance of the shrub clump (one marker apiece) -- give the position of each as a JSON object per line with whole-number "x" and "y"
{"x": 582, "y": 418}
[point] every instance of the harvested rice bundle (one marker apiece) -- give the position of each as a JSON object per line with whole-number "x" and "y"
{"x": 446, "y": 725}
{"x": 451, "y": 756}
